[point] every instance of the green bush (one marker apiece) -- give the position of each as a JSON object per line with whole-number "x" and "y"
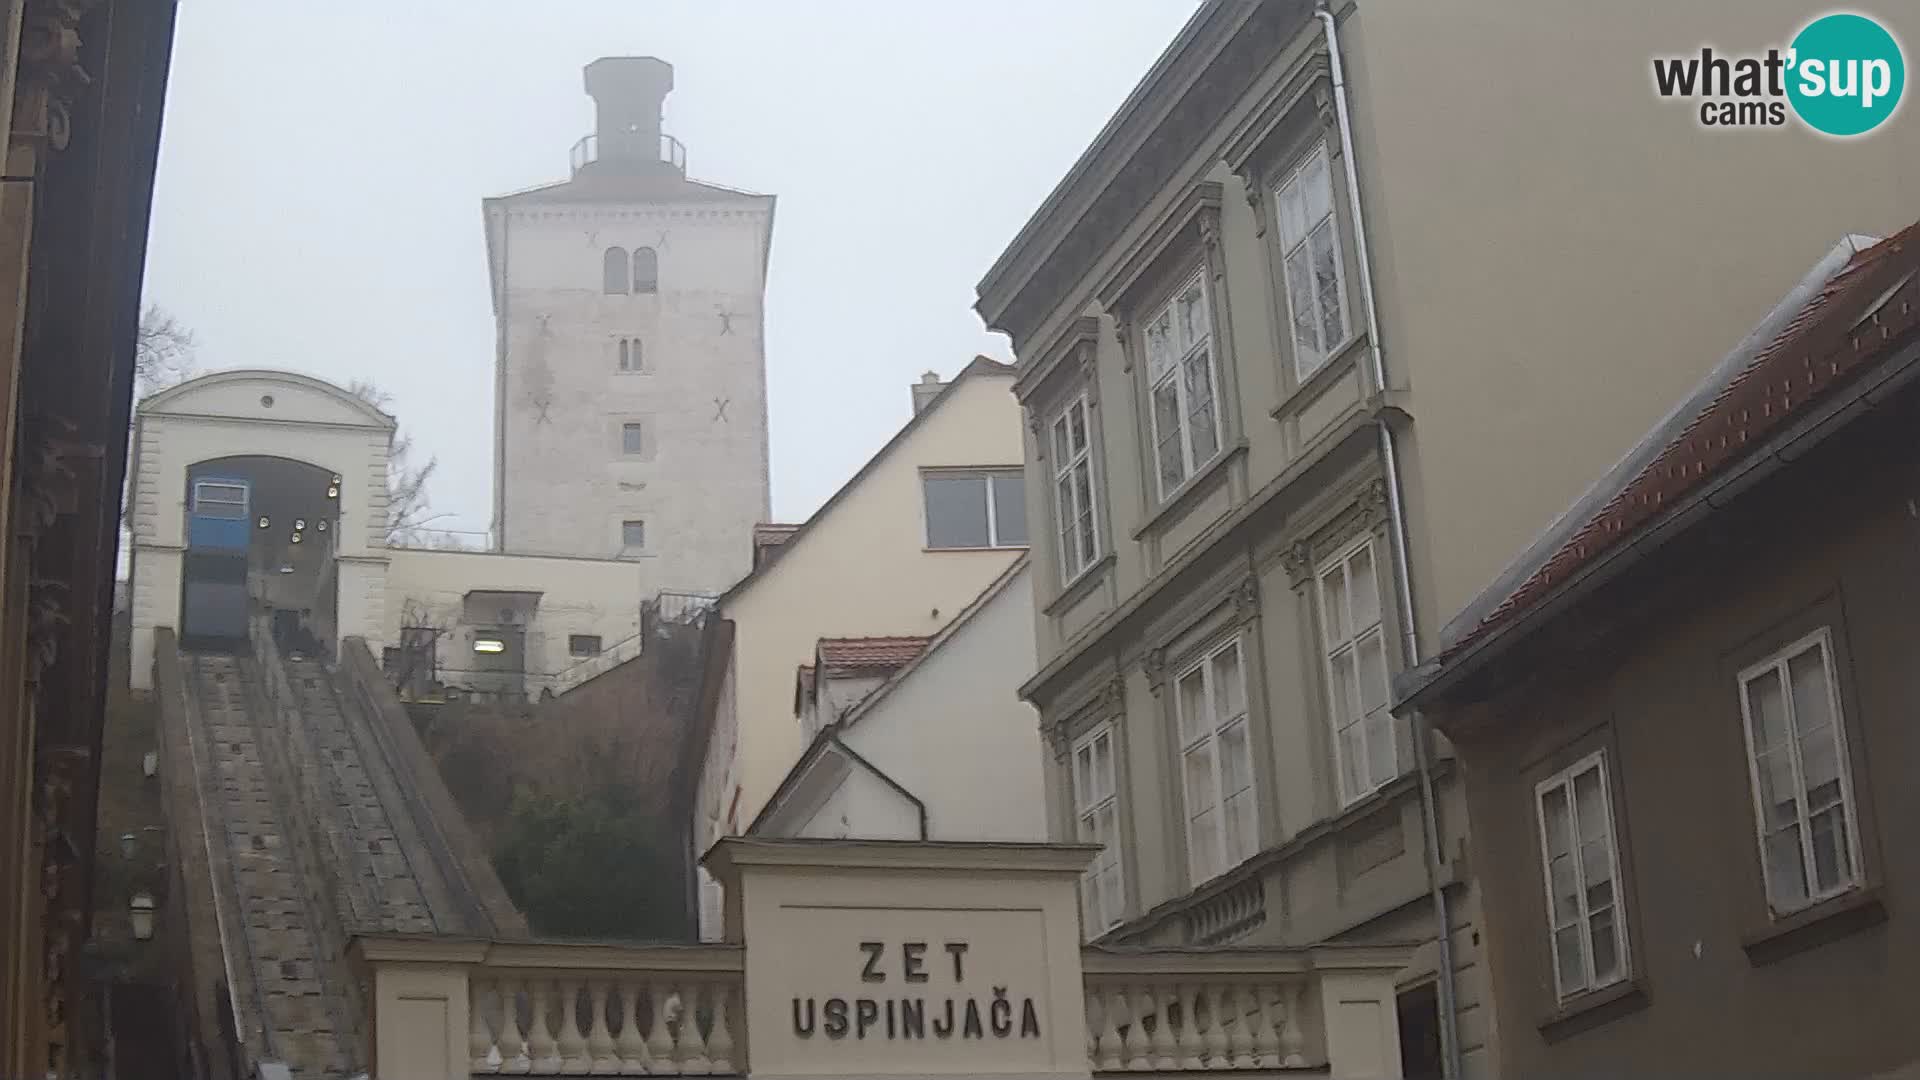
{"x": 589, "y": 866}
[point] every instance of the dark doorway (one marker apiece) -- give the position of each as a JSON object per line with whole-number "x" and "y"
{"x": 1419, "y": 1009}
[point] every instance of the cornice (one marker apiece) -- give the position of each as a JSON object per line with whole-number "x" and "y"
{"x": 1067, "y": 349}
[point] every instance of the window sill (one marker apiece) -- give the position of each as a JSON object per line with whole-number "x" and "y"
{"x": 987, "y": 547}
{"x": 1082, "y": 584}
{"x": 1344, "y": 359}
{"x": 1809, "y": 928}
{"x": 1184, "y": 495}
{"x": 1594, "y": 1008}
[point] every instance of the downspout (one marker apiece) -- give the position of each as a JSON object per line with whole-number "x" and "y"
{"x": 1402, "y": 573}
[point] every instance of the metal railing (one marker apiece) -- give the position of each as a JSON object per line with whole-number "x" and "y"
{"x": 587, "y": 151}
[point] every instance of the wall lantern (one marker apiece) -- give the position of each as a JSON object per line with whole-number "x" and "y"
{"x": 294, "y": 539}
{"x": 321, "y": 525}
{"x": 333, "y": 491}
{"x": 140, "y": 913}
{"x": 264, "y": 522}
{"x": 489, "y": 645}
{"x": 299, "y": 523}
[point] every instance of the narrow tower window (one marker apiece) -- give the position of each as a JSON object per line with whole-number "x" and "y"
{"x": 614, "y": 271}
{"x": 631, "y": 358}
{"x": 646, "y": 270}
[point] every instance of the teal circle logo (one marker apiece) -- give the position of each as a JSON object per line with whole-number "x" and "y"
{"x": 1846, "y": 74}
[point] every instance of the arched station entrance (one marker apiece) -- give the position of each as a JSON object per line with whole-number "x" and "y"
{"x": 260, "y": 541}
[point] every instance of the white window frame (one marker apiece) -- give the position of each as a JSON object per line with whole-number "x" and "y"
{"x": 1821, "y": 639}
{"x": 640, "y": 429}
{"x": 1564, "y": 779}
{"x": 1078, "y": 551}
{"x": 1204, "y": 866}
{"x": 1330, "y": 652}
{"x": 1304, "y": 364}
{"x": 991, "y": 476}
{"x": 1100, "y": 910}
{"x": 1174, "y": 365}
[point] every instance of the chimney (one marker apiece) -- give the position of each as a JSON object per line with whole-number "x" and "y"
{"x": 628, "y": 92}
{"x": 926, "y": 390}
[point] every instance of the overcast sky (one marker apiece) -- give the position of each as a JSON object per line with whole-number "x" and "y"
{"x": 321, "y": 169}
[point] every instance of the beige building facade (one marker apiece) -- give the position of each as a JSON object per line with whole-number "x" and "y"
{"x": 900, "y": 550}
{"x": 1304, "y": 363}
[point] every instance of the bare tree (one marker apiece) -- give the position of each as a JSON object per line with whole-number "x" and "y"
{"x": 162, "y": 352}
{"x": 407, "y": 506}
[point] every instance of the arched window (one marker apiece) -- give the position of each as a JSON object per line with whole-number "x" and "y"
{"x": 646, "y": 271}
{"x": 614, "y": 271}
{"x": 631, "y": 358}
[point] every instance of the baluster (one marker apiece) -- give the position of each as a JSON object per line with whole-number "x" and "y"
{"x": 1216, "y": 1028}
{"x": 660, "y": 1048}
{"x": 1241, "y": 1034}
{"x": 479, "y": 1039}
{"x": 1191, "y": 1047}
{"x": 1109, "y": 1033}
{"x": 1093, "y": 1028}
{"x": 513, "y": 1045}
{"x": 540, "y": 1045}
{"x": 632, "y": 1045}
{"x": 693, "y": 1048}
{"x": 1293, "y": 1041}
{"x": 599, "y": 1037}
{"x": 1163, "y": 1046}
{"x": 573, "y": 1048}
{"x": 720, "y": 1043}
{"x": 1136, "y": 1049}
{"x": 1266, "y": 1041}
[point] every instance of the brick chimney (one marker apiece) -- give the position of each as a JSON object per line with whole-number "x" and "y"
{"x": 926, "y": 390}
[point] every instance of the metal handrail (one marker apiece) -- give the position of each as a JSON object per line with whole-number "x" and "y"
{"x": 587, "y": 151}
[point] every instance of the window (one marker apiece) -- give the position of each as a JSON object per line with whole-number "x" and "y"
{"x": 1797, "y": 759}
{"x": 633, "y": 438}
{"x": 976, "y": 509}
{"x": 1582, "y": 872}
{"x": 489, "y": 643}
{"x": 633, "y": 534}
{"x": 583, "y": 644}
{"x": 631, "y": 358}
{"x": 214, "y": 499}
{"x": 646, "y": 270}
{"x": 1186, "y": 404}
{"x": 1096, "y": 808}
{"x": 1316, "y": 285}
{"x": 613, "y": 271}
{"x": 1216, "y": 763}
{"x": 1073, "y": 499}
{"x": 1355, "y": 644}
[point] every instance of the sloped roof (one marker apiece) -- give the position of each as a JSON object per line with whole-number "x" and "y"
{"x": 847, "y": 655}
{"x": 1837, "y": 332}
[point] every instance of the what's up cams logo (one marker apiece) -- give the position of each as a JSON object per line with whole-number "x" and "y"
{"x": 1843, "y": 75}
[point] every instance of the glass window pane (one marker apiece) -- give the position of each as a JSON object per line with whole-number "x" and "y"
{"x": 1160, "y": 349}
{"x": 1596, "y": 870}
{"x": 1306, "y": 325}
{"x": 1083, "y": 485}
{"x": 1832, "y": 853}
{"x": 1333, "y": 607}
{"x": 1201, "y": 794}
{"x": 1326, "y": 285}
{"x": 1009, "y": 509}
{"x": 1590, "y": 804}
{"x": 1241, "y": 842}
{"x": 1779, "y": 800}
{"x": 1606, "y": 946}
{"x": 1340, "y": 688}
{"x": 1316, "y": 187}
{"x": 1203, "y": 845}
{"x": 1103, "y": 767}
{"x": 1819, "y": 766}
{"x": 1192, "y": 704}
{"x": 1381, "y": 756}
{"x": 1556, "y": 815}
{"x": 1786, "y": 868}
{"x": 956, "y": 511}
{"x": 1572, "y": 964}
{"x": 1062, "y": 450}
{"x": 1366, "y": 588}
{"x": 1565, "y": 884}
{"x": 1293, "y": 214}
{"x": 1166, "y": 433}
{"x": 1200, "y": 406}
{"x": 1353, "y": 762}
{"x": 1236, "y": 759}
{"x": 1372, "y": 651}
{"x": 1192, "y": 307}
{"x": 1077, "y": 419}
{"x": 1229, "y": 687}
{"x": 1766, "y": 711}
{"x": 1812, "y": 705}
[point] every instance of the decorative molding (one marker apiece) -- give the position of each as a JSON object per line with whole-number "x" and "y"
{"x": 1113, "y": 697}
{"x": 1298, "y": 562}
{"x": 1154, "y": 665}
{"x": 1323, "y": 106}
{"x": 1181, "y": 229}
{"x": 1246, "y": 600}
{"x": 1123, "y": 334}
{"x": 50, "y": 77}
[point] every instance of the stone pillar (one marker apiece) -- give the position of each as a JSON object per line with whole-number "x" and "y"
{"x": 856, "y": 950}
{"x": 1362, "y": 1024}
{"x": 419, "y": 1006}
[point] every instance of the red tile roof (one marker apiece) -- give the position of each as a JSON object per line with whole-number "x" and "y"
{"x": 1862, "y": 310}
{"x": 840, "y": 656}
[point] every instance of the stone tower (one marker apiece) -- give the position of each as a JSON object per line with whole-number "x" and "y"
{"x": 630, "y": 414}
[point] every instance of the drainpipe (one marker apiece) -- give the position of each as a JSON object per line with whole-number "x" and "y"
{"x": 1402, "y": 574}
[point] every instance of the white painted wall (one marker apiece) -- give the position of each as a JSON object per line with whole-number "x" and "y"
{"x": 861, "y": 568}
{"x": 269, "y": 413}
{"x": 954, "y": 732}
{"x": 577, "y": 596}
{"x": 564, "y": 484}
